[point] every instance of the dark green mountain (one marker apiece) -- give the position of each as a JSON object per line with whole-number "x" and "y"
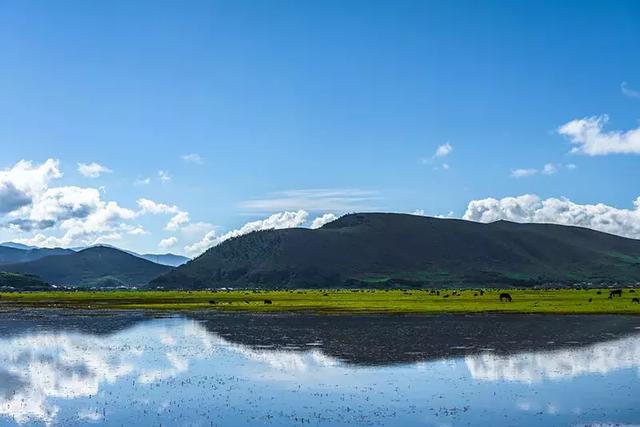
{"x": 380, "y": 250}
{"x": 97, "y": 266}
{"x": 12, "y": 255}
{"x": 21, "y": 282}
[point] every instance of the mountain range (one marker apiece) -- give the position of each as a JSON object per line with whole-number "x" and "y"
{"x": 11, "y": 252}
{"x": 98, "y": 266}
{"x": 385, "y": 250}
{"x": 374, "y": 250}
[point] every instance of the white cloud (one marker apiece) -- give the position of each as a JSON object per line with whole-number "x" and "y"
{"x": 92, "y": 170}
{"x": 20, "y": 184}
{"x": 521, "y": 173}
{"x": 322, "y": 220}
{"x": 167, "y": 243}
{"x": 547, "y": 169}
{"x": 177, "y": 220}
{"x": 316, "y": 200}
{"x": 164, "y": 176}
{"x": 443, "y": 150}
{"x": 418, "y": 212}
{"x": 628, "y": 91}
{"x": 590, "y": 139}
{"x": 531, "y": 208}
{"x": 571, "y": 166}
{"x": 179, "y": 217}
{"x": 276, "y": 221}
{"x": 192, "y": 158}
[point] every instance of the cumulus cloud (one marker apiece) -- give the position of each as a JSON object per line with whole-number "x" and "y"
{"x": 531, "y": 208}
{"x": 192, "y": 158}
{"x": 322, "y": 220}
{"x": 179, "y": 217}
{"x": 177, "y": 220}
{"x": 167, "y": 243}
{"x": 443, "y": 150}
{"x": 274, "y": 222}
{"x": 92, "y": 170}
{"x": 11, "y": 198}
{"x": 590, "y": 138}
{"x": 20, "y": 184}
{"x": 316, "y": 200}
{"x": 67, "y": 215}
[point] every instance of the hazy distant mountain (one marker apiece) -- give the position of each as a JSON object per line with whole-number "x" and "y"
{"x": 98, "y": 266}
{"x": 165, "y": 259}
{"x": 17, "y": 245}
{"x": 11, "y": 255}
{"x": 380, "y": 250}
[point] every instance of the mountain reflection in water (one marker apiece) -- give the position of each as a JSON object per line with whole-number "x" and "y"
{"x": 70, "y": 368}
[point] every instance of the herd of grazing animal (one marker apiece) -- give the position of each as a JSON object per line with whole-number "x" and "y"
{"x": 504, "y": 296}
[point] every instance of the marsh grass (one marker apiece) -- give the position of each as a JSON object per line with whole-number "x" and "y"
{"x": 565, "y": 301}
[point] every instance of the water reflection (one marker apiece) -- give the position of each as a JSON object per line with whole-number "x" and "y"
{"x": 65, "y": 369}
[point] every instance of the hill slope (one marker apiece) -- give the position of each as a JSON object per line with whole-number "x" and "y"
{"x": 12, "y": 255}
{"x": 406, "y": 250}
{"x": 96, "y": 266}
{"x": 21, "y": 282}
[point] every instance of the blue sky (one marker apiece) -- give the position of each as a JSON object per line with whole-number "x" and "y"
{"x": 293, "y": 105}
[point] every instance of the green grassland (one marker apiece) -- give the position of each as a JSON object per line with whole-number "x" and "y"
{"x": 564, "y": 301}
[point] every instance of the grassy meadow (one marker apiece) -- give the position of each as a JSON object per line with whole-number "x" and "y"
{"x": 567, "y": 301}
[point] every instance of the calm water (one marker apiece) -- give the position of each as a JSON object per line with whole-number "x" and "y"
{"x": 69, "y": 368}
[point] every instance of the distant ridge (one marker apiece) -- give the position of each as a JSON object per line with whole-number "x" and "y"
{"x": 165, "y": 259}
{"x": 10, "y": 254}
{"x": 99, "y": 266}
{"x": 383, "y": 250}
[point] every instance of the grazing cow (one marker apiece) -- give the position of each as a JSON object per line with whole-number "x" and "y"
{"x": 590, "y": 299}
{"x": 268, "y": 301}
{"x": 213, "y": 302}
{"x": 446, "y": 296}
{"x": 505, "y": 297}
{"x": 599, "y": 292}
{"x": 632, "y": 291}
{"x": 475, "y": 295}
{"x": 615, "y": 292}
{"x": 636, "y": 300}
{"x": 481, "y": 292}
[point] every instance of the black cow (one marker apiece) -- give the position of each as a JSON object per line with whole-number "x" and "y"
{"x": 636, "y": 300}
{"x": 615, "y": 292}
{"x": 505, "y": 297}
{"x": 268, "y": 301}
{"x": 212, "y": 302}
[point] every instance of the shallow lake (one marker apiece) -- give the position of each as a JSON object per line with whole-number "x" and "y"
{"x": 214, "y": 369}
